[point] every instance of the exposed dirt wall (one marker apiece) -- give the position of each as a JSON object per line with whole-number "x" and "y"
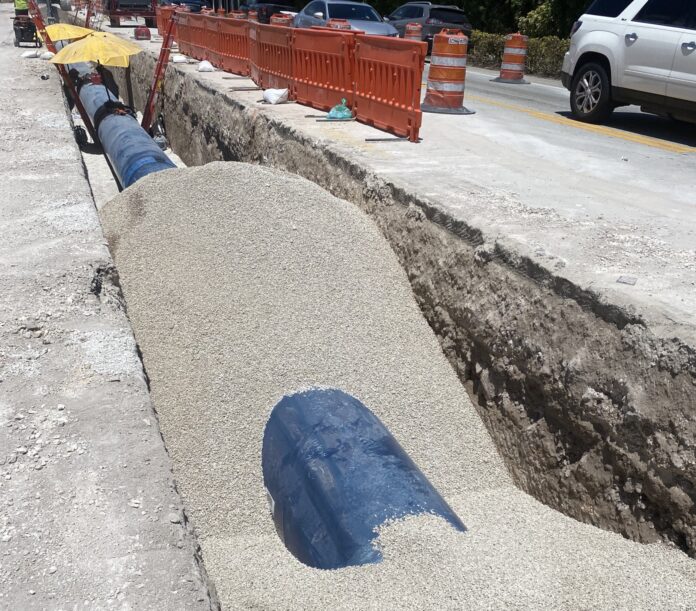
{"x": 594, "y": 415}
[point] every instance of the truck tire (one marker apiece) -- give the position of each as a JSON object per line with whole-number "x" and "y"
{"x": 590, "y": 94}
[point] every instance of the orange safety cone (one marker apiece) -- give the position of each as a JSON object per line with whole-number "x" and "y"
{"x": 254, "y": 16}
{"x": 413, "y": 31}
{"x": 514, "y": 60}
{"x": 447, "y": 75}
{"x": 338, "y": 24}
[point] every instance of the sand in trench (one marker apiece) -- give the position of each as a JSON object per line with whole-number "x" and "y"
{"x": 244, "y": 284}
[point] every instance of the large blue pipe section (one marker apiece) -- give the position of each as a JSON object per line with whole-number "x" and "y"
{"x": 334, "y": 473}
{"x": 132, "y": 153}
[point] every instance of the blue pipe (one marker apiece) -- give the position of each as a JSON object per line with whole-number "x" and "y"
{"x": 333, "y": 474}
{"x": 131, "y": 151}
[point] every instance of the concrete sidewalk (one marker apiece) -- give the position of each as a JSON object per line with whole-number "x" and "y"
{"x": 89, "y": 514}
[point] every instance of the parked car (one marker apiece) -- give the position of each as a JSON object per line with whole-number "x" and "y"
{"x": 433, "y": 18}
{"x": 360, "y": 16}
{"x": 266, "y": 9}
{"x": 633, "y": 52}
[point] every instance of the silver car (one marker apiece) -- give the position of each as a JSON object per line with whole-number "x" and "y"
{"x": 360, "y": 16}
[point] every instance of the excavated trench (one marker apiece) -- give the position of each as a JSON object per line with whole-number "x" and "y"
{"x": 593, "y": 414}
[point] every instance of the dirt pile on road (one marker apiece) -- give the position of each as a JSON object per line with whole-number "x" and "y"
{"x": 244, "y": 284}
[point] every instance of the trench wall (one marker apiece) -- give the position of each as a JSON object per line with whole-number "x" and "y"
{"x": 594, "y": 415}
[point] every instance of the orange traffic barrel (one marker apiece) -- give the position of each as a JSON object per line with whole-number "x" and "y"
{"x": 222, "y": 12}
{"x": 207, "y": 11}
{"x": 237, "y": 15}
{"x": 281, "y": 19}
{"x": 254, "y": 16}
{"x": 141, "y": 32}
{"x": 413, "y": 31}
{"x": 338, "y": 24}
{"x": 445, "y": 92}
{"x": 514, "y": 60}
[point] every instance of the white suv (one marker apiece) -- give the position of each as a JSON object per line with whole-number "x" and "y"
{"x": 633, "y": 52}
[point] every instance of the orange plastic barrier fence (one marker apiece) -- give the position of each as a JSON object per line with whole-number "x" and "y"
{"x": 191, "y": 35}
{"x": 322, "y": 67}
{"x": 184, "y": 34}
{"x": 388, "y": 75}
{"x": 213, "y": 41}
{"x": 233, "y": 46}
{"x": 164, "y": 15}
{"x": 379, "y": 77}
{"x": 270, "y": 55}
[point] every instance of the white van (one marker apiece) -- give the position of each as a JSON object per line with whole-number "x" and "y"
{"x": 633, "y": 52}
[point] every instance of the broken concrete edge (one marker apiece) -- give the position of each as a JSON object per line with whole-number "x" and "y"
{"x": 593, "y": 412}
{"x": 104, "y": 286}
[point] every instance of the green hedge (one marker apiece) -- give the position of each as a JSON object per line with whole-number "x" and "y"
{"x": 544, "y": 55}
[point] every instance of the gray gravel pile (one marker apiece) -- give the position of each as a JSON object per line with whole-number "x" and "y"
{"x": 244, "y": 284}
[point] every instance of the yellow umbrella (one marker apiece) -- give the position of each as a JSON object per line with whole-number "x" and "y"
{"x": 66, "y": 31}
{"x": 99, "y": 47}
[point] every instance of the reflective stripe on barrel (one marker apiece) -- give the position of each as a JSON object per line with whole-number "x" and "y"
{"x": 413, "y": 31}
{"x": 238, "y": 15}
{"x": 254, "y": 16}
{"x": 447, "y": 73}
{"x": 514, "y": 57}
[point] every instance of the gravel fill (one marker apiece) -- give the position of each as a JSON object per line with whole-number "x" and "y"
{"x": 243, "y": 284}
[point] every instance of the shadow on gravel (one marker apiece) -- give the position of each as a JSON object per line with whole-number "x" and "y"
{"x": 650, "y": 125}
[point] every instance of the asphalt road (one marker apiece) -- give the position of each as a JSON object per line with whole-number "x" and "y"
{"x": 551, "y": 99}
{"x": 599, "y": 202}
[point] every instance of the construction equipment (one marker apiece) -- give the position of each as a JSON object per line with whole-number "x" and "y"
{"x": 115, "y": 10}
{"x": 160, "y": 69}
{"x": 25, "y": 31}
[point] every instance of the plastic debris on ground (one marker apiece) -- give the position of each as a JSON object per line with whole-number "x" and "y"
{"x": 340, "y": 112}
{"x": 275, "y": 96}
